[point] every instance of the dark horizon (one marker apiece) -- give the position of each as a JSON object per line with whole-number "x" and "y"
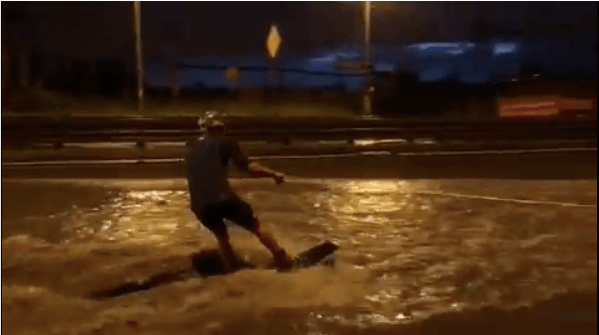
{"x": 557, "y": 38}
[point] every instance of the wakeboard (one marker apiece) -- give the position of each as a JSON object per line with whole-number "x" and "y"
{"x": 208, "y": 263}
{"x": 321, "y": 254}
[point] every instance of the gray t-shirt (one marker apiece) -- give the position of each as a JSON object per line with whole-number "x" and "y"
{"x": 207, "y": 164}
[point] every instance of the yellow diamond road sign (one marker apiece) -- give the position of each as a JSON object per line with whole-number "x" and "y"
{"x": 273, "y": 42}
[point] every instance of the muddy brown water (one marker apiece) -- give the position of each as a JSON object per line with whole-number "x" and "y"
{"x": 420, "y": 256}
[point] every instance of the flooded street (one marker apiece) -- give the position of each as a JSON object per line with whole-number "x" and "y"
{"x": 413, "y": 254}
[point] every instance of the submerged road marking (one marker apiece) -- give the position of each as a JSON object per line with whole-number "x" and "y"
{"x": 181, "y": 184}
{"x": 518, "y": 201}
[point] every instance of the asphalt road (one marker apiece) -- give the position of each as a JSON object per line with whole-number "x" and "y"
{"x": 539, "y": 165}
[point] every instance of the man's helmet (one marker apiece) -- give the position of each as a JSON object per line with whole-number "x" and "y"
{"x": 211, "y": 119}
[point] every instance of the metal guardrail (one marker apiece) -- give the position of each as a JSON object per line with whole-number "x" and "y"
{"x": 19, "y": 131}
{"x": 191, "y": 123}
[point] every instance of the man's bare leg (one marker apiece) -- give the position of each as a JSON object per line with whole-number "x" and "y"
{"x": 281, "y": 257}
{"x": 227, "y": 254}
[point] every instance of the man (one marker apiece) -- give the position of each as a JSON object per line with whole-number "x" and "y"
{"x": 212, "y": 198}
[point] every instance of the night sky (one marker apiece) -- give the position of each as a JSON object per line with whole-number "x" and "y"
{"x": 239, "y": 27}
{"x": 199, "y": 29}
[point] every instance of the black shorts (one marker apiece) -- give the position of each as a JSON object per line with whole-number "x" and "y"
{"x": 236, "y": 210}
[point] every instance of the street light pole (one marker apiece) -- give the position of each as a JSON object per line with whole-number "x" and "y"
{"x": 367, "y": 84}
{"x": 367, "y": 30}
{"x": 140, "y": 87}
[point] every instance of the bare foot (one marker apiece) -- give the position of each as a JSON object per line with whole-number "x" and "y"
{"x": 283, "y": 260}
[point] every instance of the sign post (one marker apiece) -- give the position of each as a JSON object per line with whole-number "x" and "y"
{"x": 273, "y": 45}
{"x": 233, "y": 74}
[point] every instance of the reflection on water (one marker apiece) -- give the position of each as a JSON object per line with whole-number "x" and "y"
{"x": 407, "y": 249}
{"x": 151, "y": 217}
{"x": 375, "y": 199}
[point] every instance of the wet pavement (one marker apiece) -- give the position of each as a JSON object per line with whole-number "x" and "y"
{"x": 417, "y": 256}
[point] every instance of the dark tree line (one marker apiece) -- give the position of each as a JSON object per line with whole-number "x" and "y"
{"x": 108, "y": 77}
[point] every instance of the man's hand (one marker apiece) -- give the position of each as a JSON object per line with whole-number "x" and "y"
{"x": 279, "y": 178}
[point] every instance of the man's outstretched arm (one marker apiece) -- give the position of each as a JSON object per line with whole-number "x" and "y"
{"x": 254, "y": 169}
{"x": 258, "y": 170}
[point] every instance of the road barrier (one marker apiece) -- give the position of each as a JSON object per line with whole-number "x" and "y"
{"x": 27, "y": 131}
